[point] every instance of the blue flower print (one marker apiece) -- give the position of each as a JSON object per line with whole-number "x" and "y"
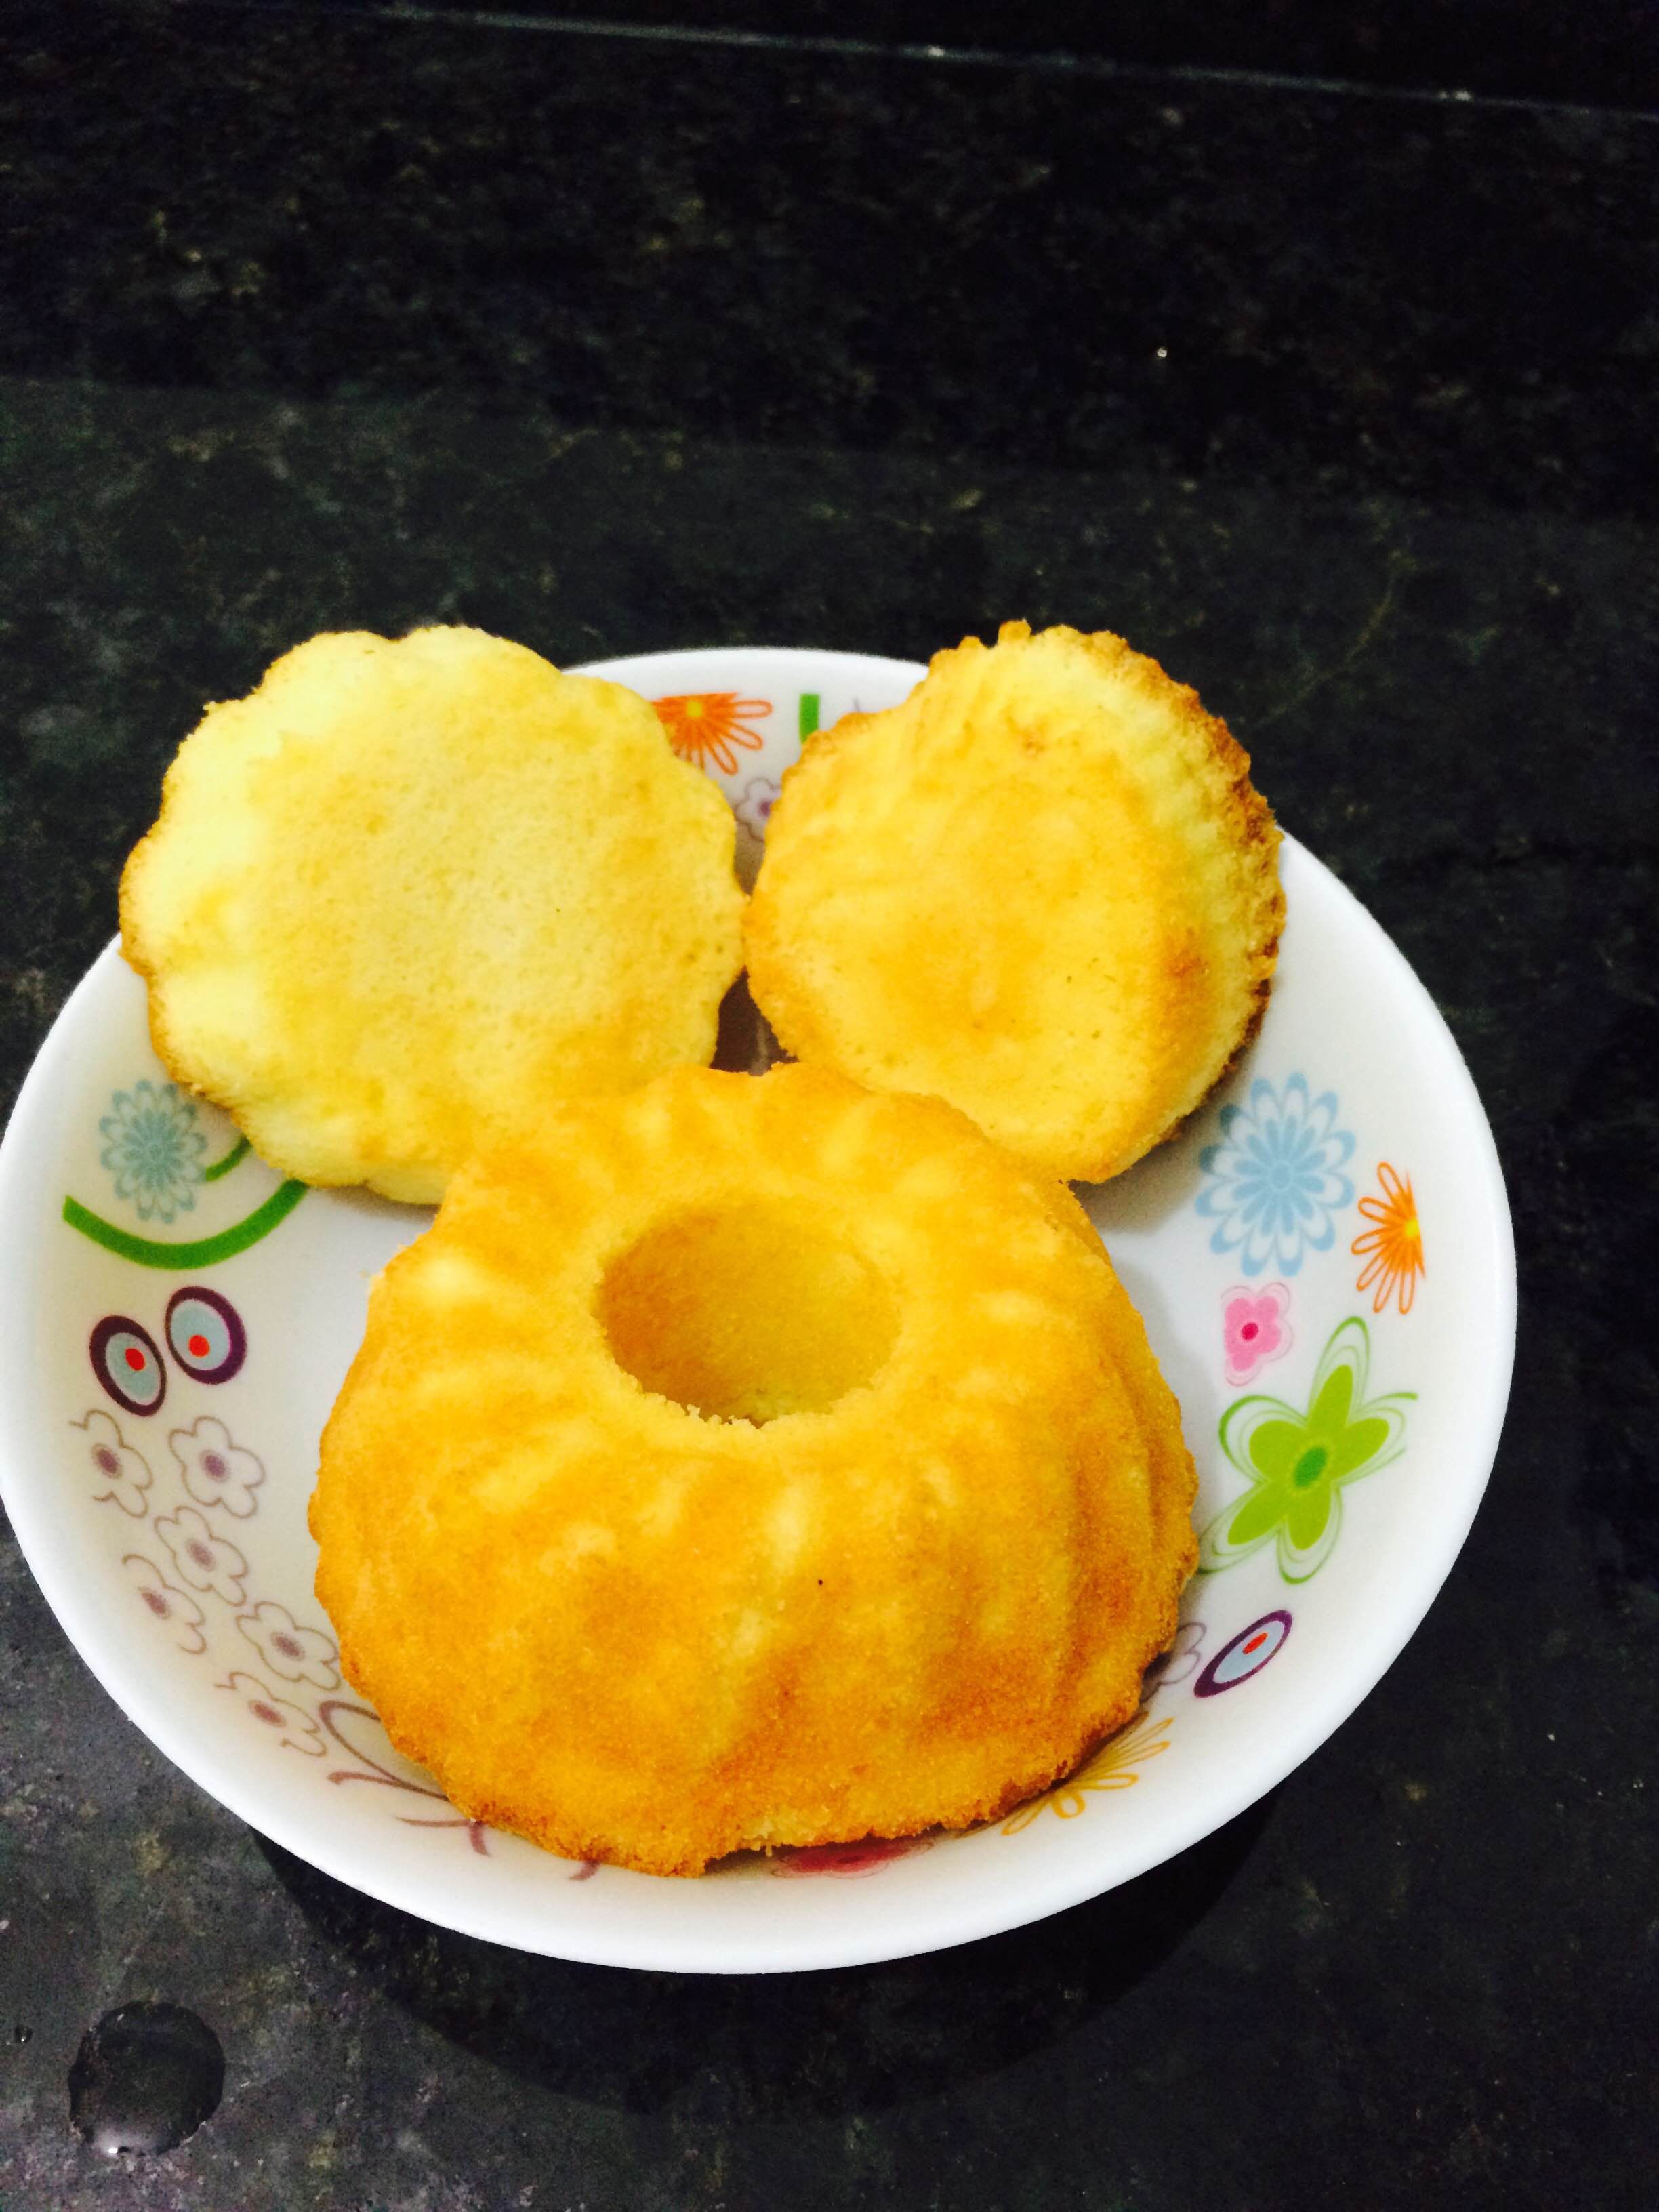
{"x": 153, "y": 1148}
{"x": 1276, "y": 1181}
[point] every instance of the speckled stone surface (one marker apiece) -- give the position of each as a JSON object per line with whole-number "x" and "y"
{"x": 1421, "y": 1972}
{"x": 1603, "y": 52}
{"x": 1342, "y": 293}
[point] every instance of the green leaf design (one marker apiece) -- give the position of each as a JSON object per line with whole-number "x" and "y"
{"x": 1256, "y": 1516}
{"x": 233, "y": 1158}
{"x": 199, "y": 1251}
{"x": 1275, "y": 1445}
{"x": 1296, "y": 1462}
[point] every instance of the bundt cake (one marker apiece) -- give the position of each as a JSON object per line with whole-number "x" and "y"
{"x": 746, "y": 1462}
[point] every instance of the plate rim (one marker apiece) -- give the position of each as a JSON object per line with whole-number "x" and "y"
{"x": 867, "y": 1940}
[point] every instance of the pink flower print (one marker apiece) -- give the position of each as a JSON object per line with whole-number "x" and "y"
{"x": 180, "y": 1613}
{"x": 754, "y": 809}
{"x": 292, "y": 1653}
{"x": 288, "y": 1724}
{"x": 205, "y": 1561}
{"x": 1253, "y": 1329}
{"x": 217, "y": 1471}
{"x": 123, "y": 1473}
{"x": 1177, "y": 1663}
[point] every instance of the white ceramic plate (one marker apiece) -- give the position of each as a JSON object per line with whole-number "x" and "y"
{"x": 179, "y": 1321}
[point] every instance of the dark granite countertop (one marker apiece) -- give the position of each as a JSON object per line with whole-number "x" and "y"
{"x": 1343, "y": 405}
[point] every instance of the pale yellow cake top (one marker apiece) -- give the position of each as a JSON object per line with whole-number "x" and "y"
{"x": 408, "y": 893}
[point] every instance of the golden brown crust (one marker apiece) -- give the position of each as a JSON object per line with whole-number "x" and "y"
{"x": 1044, "y": 887}
{"x": 634, "y": 1633}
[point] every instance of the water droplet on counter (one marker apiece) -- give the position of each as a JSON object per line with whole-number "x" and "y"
{"x": 144, "y": 2078}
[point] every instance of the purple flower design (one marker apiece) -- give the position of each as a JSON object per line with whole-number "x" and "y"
{"x": 205, "y": 1561}
{"x": 216, "y": 1470}
{"x": 181, "y": 1612}
{"x": 754, "y": 809}
{"x": 124, "y": 1473}
{"x": 292, "y": 1653}
{"x": 375, "y": 1772}
{"x": 290, "y": 1724}
{"x": 1177, "y": 1663}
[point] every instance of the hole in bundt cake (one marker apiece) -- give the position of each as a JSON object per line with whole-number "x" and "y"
{"x": 747, "y": 1313}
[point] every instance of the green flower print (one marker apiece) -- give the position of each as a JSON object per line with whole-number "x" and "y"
{"x": 152, "y": 1149}
{"x": 1297, "y": 1463}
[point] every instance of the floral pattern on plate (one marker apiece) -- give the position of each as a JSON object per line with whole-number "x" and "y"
{"x": 1116, "y": 1765}
{"x": 1175, "y": 1664}
{"x": 1275, "y": 1179}
{"x": 754, "y": 809}
{"x": 218, "y": 1473}
{"x": 1297, "y": 1462}
{"x": 710, "y": 727}
{"x": 165, "y": 1603}
{"x": 123, "y": 1472}
{"x": 375, "y": 1772}
{"x": 203, "y": 1560}
{"x": 154, "y": 1149}
{"x": 1253, "y": 1329}
{"x": 1393, "y": 1248}
{"x": 289, "y": 1724}
{"x": 154, "y": 1152}
{"x": 292, "y": 1652}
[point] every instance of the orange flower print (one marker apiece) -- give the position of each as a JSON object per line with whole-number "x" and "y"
{"x": 1116, "y": 1765}
{"x": 707, "y": 725}
{"x": 1392, "y": 1250}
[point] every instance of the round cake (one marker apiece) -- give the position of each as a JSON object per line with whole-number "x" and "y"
{"x": 748, "y": 1462}
{"x": 1042, "y": 888}
{"x": 408, "y": 892}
